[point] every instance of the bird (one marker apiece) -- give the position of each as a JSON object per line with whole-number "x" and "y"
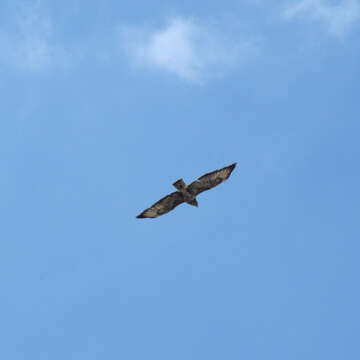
{"x": 187, "y": 193}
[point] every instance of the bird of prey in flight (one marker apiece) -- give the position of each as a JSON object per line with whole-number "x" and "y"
{"x": 187, "y": 193}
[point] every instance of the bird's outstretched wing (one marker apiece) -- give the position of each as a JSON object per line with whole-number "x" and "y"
{"x": 163, "y": 206}
{"x": 210, "y": 180}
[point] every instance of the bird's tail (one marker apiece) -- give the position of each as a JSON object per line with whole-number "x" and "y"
{"x": 179, "y": 184}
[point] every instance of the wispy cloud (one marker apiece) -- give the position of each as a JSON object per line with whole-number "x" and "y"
{"x": 29, "y": 43}
{"x": 185, "y": 48}
{"x": 338, "y": 18}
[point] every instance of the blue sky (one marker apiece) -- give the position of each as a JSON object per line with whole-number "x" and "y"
{"x": 105, "y": 104}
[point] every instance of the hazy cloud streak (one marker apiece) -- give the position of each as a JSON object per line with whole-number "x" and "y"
{"x": 29, "y": 44}
{"x": 338, "y": 18}
{"x": 183, "y": 47}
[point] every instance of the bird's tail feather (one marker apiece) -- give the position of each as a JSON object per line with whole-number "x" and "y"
{"x": 179, "y": 184}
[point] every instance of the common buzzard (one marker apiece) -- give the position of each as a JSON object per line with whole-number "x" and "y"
{"x": 187, "y": 193}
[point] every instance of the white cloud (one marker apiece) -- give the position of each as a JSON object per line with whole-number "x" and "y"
{"x": 30, "y": 44}
{"x": 338, "y": 17}
{"x": 192, "y": 51}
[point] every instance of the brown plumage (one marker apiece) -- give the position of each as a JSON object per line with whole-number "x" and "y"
{"x": 187, "y": 193}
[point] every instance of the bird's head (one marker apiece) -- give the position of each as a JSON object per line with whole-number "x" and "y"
{"x": 194, "y": 203}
